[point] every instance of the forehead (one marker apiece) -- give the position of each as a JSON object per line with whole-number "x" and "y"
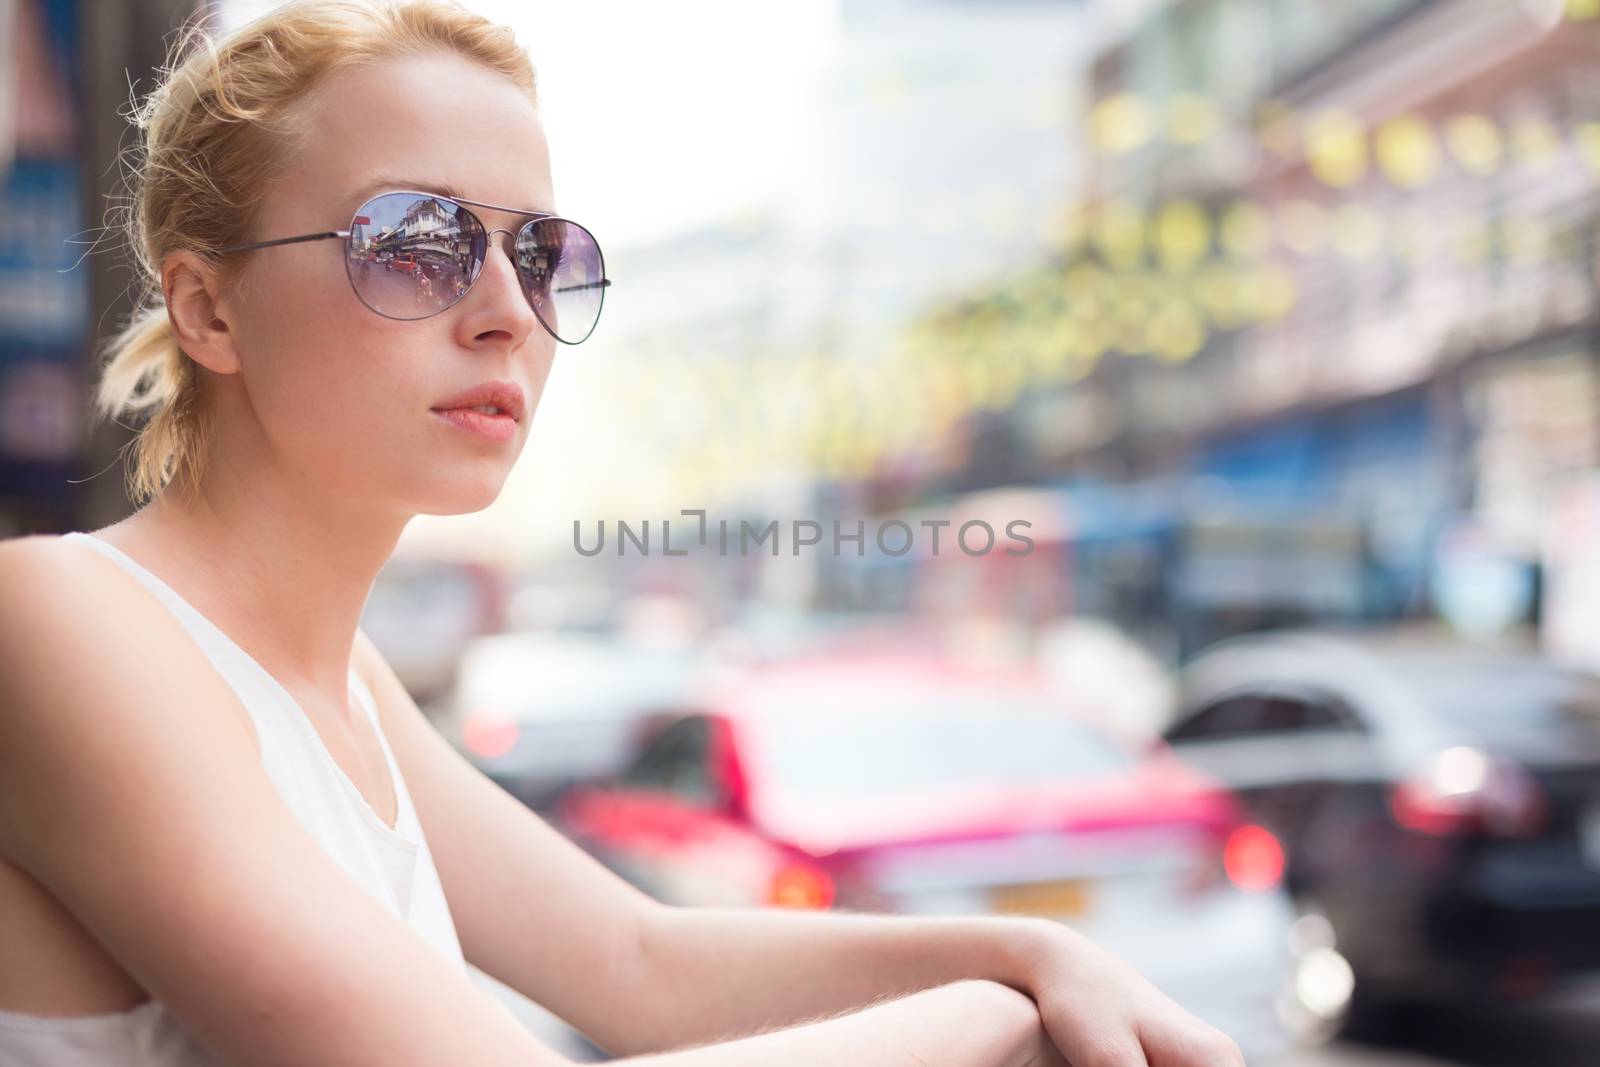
{"x": 433, "y": 122}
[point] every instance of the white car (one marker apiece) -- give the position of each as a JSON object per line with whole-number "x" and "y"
{"x": 537, "y": 712}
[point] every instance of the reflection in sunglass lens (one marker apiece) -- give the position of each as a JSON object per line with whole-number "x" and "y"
{"x": 563, "y": 276}
{"x": 411, "y": 255}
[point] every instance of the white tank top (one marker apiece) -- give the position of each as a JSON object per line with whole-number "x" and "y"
{"x": 393, "y": 864}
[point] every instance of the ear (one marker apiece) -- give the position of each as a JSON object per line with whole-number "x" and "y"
{"x": 193, "y": 291}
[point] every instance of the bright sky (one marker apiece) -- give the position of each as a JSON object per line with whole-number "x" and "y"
{"x": 664, "y": 115}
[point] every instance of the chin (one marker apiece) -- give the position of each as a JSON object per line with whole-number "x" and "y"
{"x": 465, "y": 492}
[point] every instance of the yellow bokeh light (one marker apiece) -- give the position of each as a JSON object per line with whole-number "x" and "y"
{"x": 1176, "y": 333}
{"x": 1119, "y": 124}
{"x": 1407, "y": 151}
{"x": 1118, "y": 234}
{"x": 1183, "y": 235}
{"x": 1336, "y": 148}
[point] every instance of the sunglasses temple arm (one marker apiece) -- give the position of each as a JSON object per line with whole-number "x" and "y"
{"x": 601, "y": 284}
{"x": 329, "y": 235}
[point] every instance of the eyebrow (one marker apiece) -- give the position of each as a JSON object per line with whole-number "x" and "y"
{"x": 437, "y": 188}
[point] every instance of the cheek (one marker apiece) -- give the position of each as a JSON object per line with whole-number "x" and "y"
{"x": 540, "y": 355}
{"x": 326, "y": 375}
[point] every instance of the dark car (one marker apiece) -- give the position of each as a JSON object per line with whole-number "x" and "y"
{"x": 1439, "y": 804}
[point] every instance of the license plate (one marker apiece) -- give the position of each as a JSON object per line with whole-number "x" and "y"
{"x": 1589, "y": 834}
{"x": 1062, "y": 900}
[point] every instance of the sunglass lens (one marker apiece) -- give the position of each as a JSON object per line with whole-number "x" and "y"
{"x": 410, "y": 256}
{"x": 563, "y": 275}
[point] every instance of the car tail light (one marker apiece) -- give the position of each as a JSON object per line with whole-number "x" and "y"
{"x": 1253, "y": 859}
{"x": 799, "y": 885}
{"x": 1246, "y": 857}
{"x": 487, "y": 735}
{"x": 1464, "y": 791}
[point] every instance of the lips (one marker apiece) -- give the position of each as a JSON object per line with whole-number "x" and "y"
{"x": 488, "y": 398}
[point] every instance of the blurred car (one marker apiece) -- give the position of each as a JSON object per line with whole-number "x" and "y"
{"x": 538, "y": 712}
{"x": 912, "y": 786}
{"x": 1439, "y": 805}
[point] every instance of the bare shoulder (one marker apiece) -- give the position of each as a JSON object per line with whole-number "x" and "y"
{"x": 87, "y": 655}
{"x": 72, "y": 621}
{"x": 49, "y": 580}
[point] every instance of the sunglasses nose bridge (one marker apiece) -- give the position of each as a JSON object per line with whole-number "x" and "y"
{"x": 508, "y": 249}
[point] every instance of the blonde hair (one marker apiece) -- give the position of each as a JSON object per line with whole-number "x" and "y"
{"x": 212, "y": 134}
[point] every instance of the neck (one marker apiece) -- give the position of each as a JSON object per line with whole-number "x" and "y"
{"x": 284, "y": 571}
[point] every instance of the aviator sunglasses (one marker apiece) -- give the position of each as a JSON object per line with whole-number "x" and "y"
{"x": 410, "y": 255}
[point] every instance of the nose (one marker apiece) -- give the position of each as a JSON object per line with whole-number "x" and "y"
{"x": 498, "y": 310}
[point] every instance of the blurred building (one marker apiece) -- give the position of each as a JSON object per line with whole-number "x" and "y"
{"x": 1325, "y": 321}
{"x": 64, "y": 91}
{"x": 43, "y": 303}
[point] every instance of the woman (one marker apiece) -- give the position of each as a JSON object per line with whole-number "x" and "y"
{"x": 227, "y": 834}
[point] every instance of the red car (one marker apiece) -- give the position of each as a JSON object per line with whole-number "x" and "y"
{"x": 906, "y": 784}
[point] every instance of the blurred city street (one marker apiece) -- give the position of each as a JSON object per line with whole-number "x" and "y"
{"x": 1133, "y": 462}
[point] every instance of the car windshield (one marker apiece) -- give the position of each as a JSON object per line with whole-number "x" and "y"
{"x": 912, "y": 745}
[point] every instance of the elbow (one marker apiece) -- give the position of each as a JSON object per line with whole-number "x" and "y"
{"x": 644, "y": 1013}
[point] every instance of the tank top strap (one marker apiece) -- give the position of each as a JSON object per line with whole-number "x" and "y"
{"x": 186, "y": 613}
{"x": 256, "y": 686}
{"x": 235, "y": 664}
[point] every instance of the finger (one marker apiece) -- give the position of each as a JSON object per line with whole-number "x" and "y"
{"x": 1188, "y": 1044}
{"x": 1119, "y": 1048}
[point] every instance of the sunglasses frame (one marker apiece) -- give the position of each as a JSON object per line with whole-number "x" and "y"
{"x": 462, "y": 204}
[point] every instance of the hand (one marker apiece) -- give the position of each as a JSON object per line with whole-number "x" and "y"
{"x": 1100, "y": 1012}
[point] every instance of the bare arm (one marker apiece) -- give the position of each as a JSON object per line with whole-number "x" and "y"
{"x": 746, "y": 964}
{"x": 964, "y": 1023}
{"x": 721, "y": 968}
